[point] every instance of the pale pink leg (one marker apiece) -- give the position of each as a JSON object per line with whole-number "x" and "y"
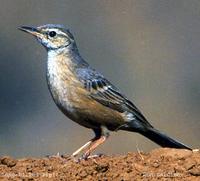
{"x": 82, "y": 148}
{"x": 94, "y": 145}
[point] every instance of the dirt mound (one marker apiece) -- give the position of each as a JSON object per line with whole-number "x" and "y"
{"x": 159, "y": 164}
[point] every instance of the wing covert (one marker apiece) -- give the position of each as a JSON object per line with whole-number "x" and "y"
{"x": 107, "y": 94}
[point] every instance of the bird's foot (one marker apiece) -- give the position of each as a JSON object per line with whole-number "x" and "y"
{"x": 85, "y": 157}
{"x": 88, "y": 156}
{"x": 63, "y": 158}
{"x": 57, "y": 155}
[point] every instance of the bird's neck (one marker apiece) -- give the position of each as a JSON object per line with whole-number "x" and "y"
{"x": 62, "y": 64}
{"x": 70, "y": 58}
{"x": 61, "y": 71}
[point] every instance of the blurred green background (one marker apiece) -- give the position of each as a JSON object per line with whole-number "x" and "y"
{"x": 150, "y": 49}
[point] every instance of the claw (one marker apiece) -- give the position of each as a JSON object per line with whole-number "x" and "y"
{"x": 57, "y": 155}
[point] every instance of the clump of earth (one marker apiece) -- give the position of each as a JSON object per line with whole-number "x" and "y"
{"x": 159, "y": 164}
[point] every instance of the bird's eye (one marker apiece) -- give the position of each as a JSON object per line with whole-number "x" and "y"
{"x": 52, "y": 33}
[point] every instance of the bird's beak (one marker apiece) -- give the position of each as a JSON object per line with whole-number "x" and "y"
{"x": 31, "y": 30}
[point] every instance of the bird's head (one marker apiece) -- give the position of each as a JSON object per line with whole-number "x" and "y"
{"x": 51, "y": 36}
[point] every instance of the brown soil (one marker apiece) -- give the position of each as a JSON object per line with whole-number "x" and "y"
{"x": 159, "y": 164}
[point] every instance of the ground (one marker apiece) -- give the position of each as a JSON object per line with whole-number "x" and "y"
{"x": 159, "y": 164}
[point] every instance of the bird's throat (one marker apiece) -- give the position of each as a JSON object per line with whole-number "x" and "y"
{"x": 60, "y": 74}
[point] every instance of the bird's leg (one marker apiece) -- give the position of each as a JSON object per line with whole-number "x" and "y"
{"x": 97, "y": 136}
{"x": 83, "y": 147}
{"x": 101, "y": 136}
{"x": 94, "y": 145}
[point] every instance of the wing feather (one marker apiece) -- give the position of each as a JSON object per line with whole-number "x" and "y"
{"x": 107, "y": 94}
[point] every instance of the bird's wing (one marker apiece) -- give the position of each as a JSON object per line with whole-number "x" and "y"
{"x": 107, "y": 94}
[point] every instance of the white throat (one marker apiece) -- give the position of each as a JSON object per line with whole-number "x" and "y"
{"x": 52, "y": 64}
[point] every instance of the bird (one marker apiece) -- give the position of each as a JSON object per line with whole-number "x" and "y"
{"x": 86, "y": 96}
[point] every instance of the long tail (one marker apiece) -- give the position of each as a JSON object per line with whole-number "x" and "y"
{"x": 162, "y": 139}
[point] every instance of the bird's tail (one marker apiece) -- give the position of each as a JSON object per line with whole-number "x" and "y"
{"x": 162, "y": 139}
